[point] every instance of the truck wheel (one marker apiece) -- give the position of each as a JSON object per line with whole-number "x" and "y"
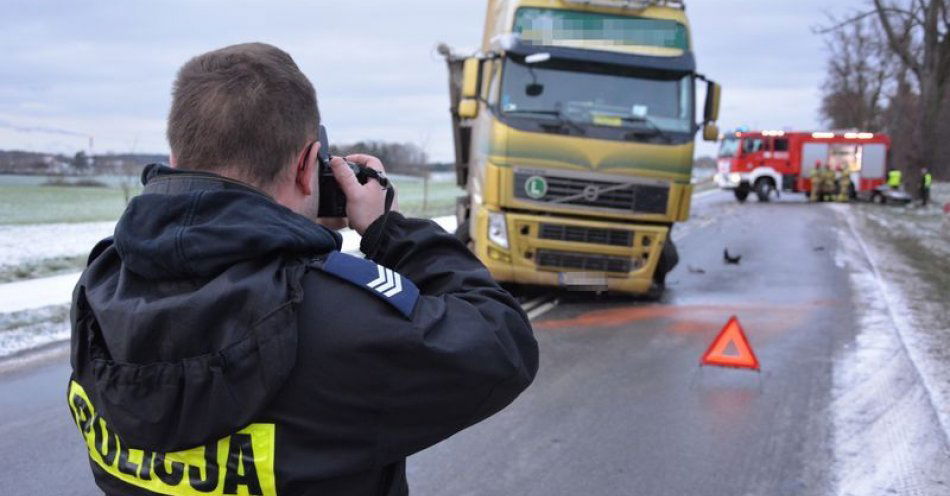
{"x": 741, "y": 194}
{"x": 669, "y": 257}
{"x": 763, "y": 188}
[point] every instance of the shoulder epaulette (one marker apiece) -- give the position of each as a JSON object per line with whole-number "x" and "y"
{"x": 383, "y": 282}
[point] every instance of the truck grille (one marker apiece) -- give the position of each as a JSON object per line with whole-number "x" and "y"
{"x": 582, "y": 261}
{"x": 612, "y": 237}
{"x": 626, "y": 197}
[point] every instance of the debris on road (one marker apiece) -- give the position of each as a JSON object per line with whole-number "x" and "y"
{"x": 729, "y": 259}
{"x": 695, "y": 270}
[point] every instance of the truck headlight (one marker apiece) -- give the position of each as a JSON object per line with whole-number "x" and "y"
{"x": 735, "y": 177}
{"x": 497, "y": 229}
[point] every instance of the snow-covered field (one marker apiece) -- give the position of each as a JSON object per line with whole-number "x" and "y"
{"x": 34, "y": 312}
{"x": 34, "y": 243}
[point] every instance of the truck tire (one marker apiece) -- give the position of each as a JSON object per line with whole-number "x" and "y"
{"x": 763, "y": 189}
{"x": 741, "y": 194}
{"x": 669, "y": 257}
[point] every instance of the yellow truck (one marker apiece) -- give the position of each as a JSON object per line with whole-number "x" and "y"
{"x": 574, "y": 130}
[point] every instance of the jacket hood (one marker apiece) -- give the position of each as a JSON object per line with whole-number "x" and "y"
{"x": 184, "y": 323}
{"x": 189, "y": 224}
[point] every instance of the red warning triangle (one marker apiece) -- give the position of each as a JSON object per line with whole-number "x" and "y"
{"x": 731, "y": 348}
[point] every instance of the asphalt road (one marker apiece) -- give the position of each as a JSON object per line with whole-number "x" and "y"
{"x": 620, "y": 405}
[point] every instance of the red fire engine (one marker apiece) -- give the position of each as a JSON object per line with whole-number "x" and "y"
{"x": 768, "y": 161}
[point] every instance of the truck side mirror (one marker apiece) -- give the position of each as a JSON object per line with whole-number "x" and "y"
{"x": 711, "y": 132}
{"x": 713, "y": 95}
{"x": 471, "y": 75}
{"x": 471, "y": 70}
{"x": 468, "y": 108}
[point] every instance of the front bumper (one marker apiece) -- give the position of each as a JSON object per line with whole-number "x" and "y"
{"x": 730, "y": 180}
{"x": 543, "y": 250}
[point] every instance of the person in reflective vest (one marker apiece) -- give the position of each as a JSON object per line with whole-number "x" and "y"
{"x": 926, "y": 179}
{"x": 844, "y": 184}
{"x": 894, "y": 179}
{"x": 828, "y": 186}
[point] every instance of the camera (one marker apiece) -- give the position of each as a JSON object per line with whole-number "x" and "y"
{"x": 332, "y": 199}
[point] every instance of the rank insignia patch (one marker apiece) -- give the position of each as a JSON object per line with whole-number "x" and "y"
{"x": 383, "y": 282}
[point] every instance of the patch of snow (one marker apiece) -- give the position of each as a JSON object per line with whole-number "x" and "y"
{"x": 888, "y": 412}
{"x": 35, "y": 242}
{"x": 29, "y": 329}
{"x": 34, "y": 336}
{"x": 447, "y": 222}
{"x": 36, "y": 293}
{"x": 35, "y": 300}
{"x": 920, "y": 319}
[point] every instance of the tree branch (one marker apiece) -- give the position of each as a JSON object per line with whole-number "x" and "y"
{"x": 946, "y": 17}
{"x": 899, "y": 48}
{"x": 863, "y": 15}
{"x": 851, "y": 20}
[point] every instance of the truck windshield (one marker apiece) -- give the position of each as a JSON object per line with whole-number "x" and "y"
{"x": 652, "y": 102}
{"x": 728, "y": 147}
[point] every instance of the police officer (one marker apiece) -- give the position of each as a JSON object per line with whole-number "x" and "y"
{"x": 222, "y": 343}
{"x": 926, "y": 180}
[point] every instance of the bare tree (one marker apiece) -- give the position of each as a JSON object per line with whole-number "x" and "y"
{"x": 860, "y": 67}
{"x": 917, "y": 35}
{"x": 401, "y": 158}
{"x": 918, "y": 32}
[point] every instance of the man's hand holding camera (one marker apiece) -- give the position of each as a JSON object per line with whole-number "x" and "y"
{"x": 364, "y": 202}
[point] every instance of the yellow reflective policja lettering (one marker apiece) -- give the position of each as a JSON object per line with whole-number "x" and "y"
{"x": 240, "y": 464}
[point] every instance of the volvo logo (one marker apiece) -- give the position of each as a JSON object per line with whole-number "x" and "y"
{"x": 591, "y": 192}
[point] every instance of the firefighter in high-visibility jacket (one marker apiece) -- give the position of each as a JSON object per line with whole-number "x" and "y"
{"x": 815, "y": 177}
{"x": 827, "y": 184}
{"x": 844, "y": 184}
{"x": 894, "y": 179}
{"x": 926, "y": 180}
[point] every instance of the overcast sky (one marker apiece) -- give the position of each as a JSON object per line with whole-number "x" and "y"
{"x": 70, "y": 69}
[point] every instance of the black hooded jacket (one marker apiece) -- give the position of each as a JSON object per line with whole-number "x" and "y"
{"x": 221, "y": 344}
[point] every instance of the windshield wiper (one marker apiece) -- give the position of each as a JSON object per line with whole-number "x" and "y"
{"x": 563, "y": 120}
{"x": 657, "y": 130}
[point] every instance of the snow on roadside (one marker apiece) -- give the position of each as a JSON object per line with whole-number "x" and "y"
{"x": 34, "y": 312}
{"x": 36, "y": 293}
{"x": 891, "y": 392}
{"x": 35, "y": 242}
{"x": 29, "y": 329}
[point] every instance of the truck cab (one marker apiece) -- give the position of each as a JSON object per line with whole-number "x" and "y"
{"x": 755, "y": 162}
{"x": 574, "y": 129}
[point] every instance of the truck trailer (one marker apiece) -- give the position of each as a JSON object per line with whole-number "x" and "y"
{"x": 574, "y": 129}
